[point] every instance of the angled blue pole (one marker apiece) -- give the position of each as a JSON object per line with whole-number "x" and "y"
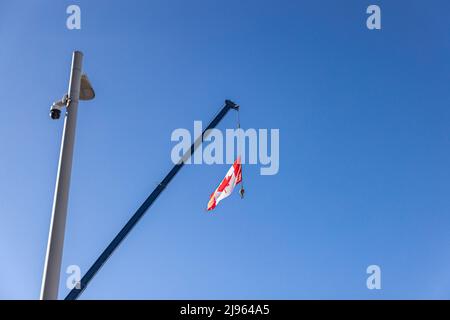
{"x": 75, "y": 292}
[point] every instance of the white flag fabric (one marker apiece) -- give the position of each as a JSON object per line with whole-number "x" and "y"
{"x": 226, "y": 187}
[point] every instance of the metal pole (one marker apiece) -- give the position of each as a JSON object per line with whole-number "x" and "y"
{"x": 53, "y": 259}
{"x": 75, "y": 292}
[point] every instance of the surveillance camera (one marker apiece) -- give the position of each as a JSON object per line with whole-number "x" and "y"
{"x": 55, "y": 109}
{"x": 55, "y": 114}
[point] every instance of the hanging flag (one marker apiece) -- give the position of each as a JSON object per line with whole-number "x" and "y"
{"x": 232, "y": 178}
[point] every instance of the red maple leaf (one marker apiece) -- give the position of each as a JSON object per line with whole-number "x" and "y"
{"x": 224, "y": 184}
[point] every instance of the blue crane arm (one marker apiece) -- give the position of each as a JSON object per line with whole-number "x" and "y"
{"x": 75, "y": 292}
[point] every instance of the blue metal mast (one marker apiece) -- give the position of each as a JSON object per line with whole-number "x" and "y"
{"x": 74, "y": 293}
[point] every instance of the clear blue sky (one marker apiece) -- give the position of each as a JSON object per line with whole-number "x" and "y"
{"x": 364, "y": 123}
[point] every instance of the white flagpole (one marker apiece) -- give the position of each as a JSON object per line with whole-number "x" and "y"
{"x": 53, "y": 259}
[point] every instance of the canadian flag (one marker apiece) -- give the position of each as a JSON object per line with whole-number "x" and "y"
{"x": 232, "y": 179}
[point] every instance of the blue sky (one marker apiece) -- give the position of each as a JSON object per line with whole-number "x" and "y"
{"x": 364, "y": 147}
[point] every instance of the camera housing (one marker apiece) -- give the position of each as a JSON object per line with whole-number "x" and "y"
{"x": 55, "y": 114}
{"x": 56, "y": 108}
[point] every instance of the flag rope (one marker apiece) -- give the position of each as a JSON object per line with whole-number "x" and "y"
{"x": 241, "y": 191}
